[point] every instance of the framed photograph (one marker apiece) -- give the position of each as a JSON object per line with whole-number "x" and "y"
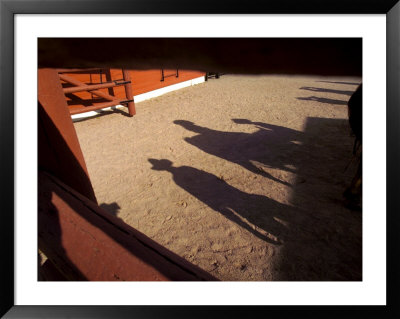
{"x": 314, "y": 54}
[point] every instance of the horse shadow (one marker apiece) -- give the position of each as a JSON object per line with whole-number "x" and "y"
{"x": 256, "y": 152}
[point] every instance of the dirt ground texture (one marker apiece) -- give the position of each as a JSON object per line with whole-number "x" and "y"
{"x": 242, "y": 175}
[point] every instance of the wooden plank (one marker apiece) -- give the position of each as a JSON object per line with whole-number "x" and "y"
{"x": 86, "y": 243}
{"x": 78, "y": 83}
{"x": 85, "y": 87}
{"x": 88, "y": 70}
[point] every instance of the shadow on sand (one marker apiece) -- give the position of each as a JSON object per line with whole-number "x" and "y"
{"x": 324, "y": 90}
{"x": 112, "y": 208}
{"x": 266, "y": 148}
{"x": 323, "y": 100}
{"x": 322, "y": 240}
{"x": 257, "y": 214}
{"x": 341, "y": 82}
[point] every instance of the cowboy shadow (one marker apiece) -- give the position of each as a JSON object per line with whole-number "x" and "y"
{"x": 257, "y": 214}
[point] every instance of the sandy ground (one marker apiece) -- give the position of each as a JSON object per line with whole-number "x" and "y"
{"x": 242, "y": 175}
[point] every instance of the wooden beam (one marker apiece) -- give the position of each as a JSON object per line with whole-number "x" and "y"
{"x": 84, "y": 242}
{"x": 84, "y": 87}
{"x": 78, "y": 83}
{"x": 59, "y": 149}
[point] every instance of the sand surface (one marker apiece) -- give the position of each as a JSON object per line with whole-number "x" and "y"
{"x": 241, "y": 175}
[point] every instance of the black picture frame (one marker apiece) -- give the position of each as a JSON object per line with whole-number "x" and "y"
{"x": 8, "y": 10}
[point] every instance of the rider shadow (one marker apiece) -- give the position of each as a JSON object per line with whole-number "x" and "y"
{"x": 325, "y": 90}
{"x": 341, "y": 82}
{"x": 256, "y": 152}
{"x": 257, "y": 214}
{"x": 323, "y": 100}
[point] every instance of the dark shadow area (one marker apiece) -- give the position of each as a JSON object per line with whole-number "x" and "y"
{"x": 254, "y": 213}
{"x": 213, "y": 75}
{"x": 47, "y": 271}
{"x": 50, "y": 241}
{"x": 253, "y": 151}
{"x": 353, "y": 193}
{"x": 323, "y": 100}
{"x": 314, "y": 89}
{"x": 328, "y": 244}
{"x": 112, "y": 208}
{"x": 319, "y": 56}
{"x": 340, "y": 82}
{"x": 56, "y": 158}
{"x": 48, "y": 160}
{"x": 76, "y": 100}
{"x": 323, "y": 240}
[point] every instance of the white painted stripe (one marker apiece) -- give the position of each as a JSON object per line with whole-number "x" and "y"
{"x": 142, "y": 97}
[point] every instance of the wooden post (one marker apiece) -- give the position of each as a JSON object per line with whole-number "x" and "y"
{"x": 129, "y": 92}
{"x": 59, "y": 149}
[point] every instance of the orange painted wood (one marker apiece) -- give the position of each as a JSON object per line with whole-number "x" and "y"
{"x": 149, "y": 80}
{"x": 128, "y": 92}
{"x": 142, "y": 81}
{"x": 78, "y": 70}
{"x": 58, "y": 145}
{"x": 84, "y": 242}
{"x": 78, "y": 83}
{"x": 91, "y": 77}
{"x": 83, "y": 88}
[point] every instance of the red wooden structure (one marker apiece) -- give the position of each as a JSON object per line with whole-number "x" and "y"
{"x": 93, "y": 89}
{"x": 73, "y": 85}
{"x": 81, "y": 241}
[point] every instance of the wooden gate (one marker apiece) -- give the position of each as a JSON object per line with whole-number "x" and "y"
{"x": 97, "y": 98}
